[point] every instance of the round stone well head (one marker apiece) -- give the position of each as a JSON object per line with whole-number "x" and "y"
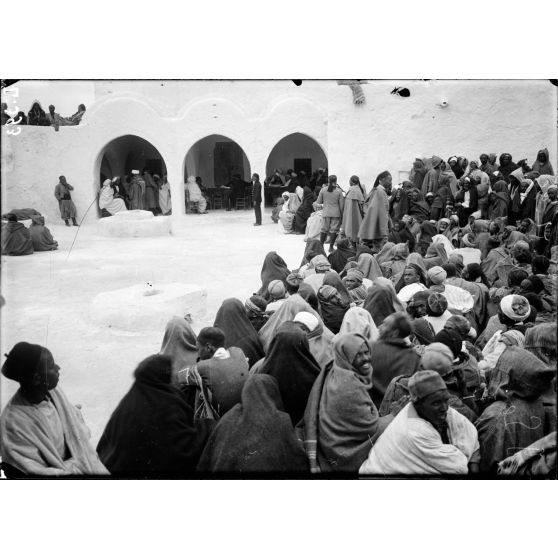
{"x": 130, "y": 310}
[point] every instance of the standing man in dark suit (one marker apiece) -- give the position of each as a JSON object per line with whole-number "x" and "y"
{"x": 257, "y": 198}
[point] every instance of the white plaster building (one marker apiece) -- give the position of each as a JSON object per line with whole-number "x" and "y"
{"x": 181, "y": 127}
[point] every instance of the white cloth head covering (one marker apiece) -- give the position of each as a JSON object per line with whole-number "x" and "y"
{"x": 276, "y": 289}
{"x": 359, "y": 320}
{"x": 309, "y": 320}
{"x": 507, "y": 303}
{"x": 135, "y": 171}
{"x": 444, "y": 240}
{"x": 107, "y": 182}
{"x": 320, "y": 262}
{"x": 437, "y": 275}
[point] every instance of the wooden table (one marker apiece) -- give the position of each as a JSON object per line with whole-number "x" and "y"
{"x": 225, "y": 191}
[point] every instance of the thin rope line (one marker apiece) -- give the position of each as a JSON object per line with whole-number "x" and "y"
{"x": 79, "y": 227}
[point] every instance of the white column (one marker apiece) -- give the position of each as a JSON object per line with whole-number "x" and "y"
{"x": 176, "y": 181}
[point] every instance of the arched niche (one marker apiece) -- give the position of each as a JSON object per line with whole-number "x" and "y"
{"x": 125, "y": 153}
{"x": 216, "y": 158}
{"x": 298, "y": 152}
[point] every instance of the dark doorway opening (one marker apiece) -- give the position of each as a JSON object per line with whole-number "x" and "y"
{"x": 227, "y": 161}
{"x": 303, "y": 165}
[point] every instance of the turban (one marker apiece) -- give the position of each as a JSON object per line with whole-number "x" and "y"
{"x": 423, "y": 383}
{"x": 256, "y": 304}
{"x": 276, "y": 289}
{"x": 521, "y": 246}
{"x": 22, "y": 361}
{"x": 327, "y": 292}
{"x": 437, "y": 361}
{"x": 437, "y": 304}
{"x": 320, "y": 262}
{"x": 107, "y": 182}
{"x": 355, "y": 275}
{"x": 294, "y": 279}
{"x": 438, "y": 348}
{"x": 437, "y": 275}
{"x": 135, "y": 172}
{"x": 309, "y": 320}
{"x": 515, "y": 307}
{"x": 468, "y": 241}
{"x": 453, "y": 158}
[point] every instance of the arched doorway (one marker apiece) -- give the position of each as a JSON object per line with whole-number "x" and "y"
{"x": 215, "y": 159}
{"x": 298, "y": 152}
{"x": 126, "y": 153}
{"x": 219, "y": 161}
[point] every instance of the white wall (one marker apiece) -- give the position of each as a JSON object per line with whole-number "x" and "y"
{"x": 386, "y": 133}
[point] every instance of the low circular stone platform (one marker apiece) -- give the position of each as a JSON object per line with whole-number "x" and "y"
{"x": 134, "y": 223}
{"x": 132, "y": 310}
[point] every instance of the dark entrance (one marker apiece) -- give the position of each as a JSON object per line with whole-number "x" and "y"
{"x": 227, "y": 161}
{"x": 303, "y": 165}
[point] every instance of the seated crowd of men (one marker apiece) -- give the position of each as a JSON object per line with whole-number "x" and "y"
{"x": 413, "y": 348}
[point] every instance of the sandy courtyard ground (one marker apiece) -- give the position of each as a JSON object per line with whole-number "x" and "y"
{"x": 48, "y": 295}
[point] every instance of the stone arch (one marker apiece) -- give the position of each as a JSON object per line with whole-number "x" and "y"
{"x": 124, "y": 153}
{"x": 297, "y": 151}
{"x": 215, "y": 158}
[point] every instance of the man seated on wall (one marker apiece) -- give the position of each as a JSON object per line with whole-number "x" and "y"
{"x": 108, "y": 204}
